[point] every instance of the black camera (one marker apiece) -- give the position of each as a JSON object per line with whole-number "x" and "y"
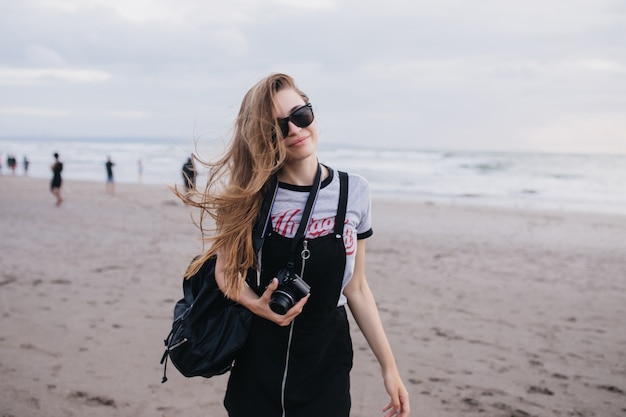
{"x": 291, "y": 289}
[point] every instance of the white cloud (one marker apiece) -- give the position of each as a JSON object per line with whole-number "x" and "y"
{"x": 594, "y": 133}
{"x": 31, "y": 76}
{"x": 130, "y": 114}
{"x": 189, "y": 11}
{"x": 307, "y": 5}
{"x": 33, "y": 111}
{"x": 511, "y": 17}
{"x": 486, "y": 72}
{"x": 41, "y": 55}
{"x": 602, "y": 66}
{"x": 133, "y": 10}
{"x": 231, "y": 41}
{"x": 424, "y": 73}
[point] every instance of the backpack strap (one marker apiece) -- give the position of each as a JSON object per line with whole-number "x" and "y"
{"x": 260, "y": 228}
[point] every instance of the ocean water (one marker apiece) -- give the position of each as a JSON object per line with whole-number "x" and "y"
{"x": 524, "y": 180}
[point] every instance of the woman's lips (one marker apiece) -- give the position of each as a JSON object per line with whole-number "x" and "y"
{"x": 298, "y": 141}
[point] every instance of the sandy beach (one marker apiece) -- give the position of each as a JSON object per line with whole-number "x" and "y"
{"x": 490, "y": 311}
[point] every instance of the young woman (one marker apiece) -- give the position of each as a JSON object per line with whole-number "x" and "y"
{"x": 294, "y": 364}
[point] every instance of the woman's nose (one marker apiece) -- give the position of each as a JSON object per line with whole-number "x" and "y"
{"x": 293, "y": 128}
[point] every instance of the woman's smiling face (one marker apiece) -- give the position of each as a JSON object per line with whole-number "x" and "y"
{"x": 300, "y": 142}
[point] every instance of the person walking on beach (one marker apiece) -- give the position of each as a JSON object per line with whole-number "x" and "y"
{"x": 12, "y": 163}
{"x": 139, "y": 171}
{"x": 25, "y": 164}
{"x": 297, "y": 363}
{"x": 55, "y": 184}
{"x": 110, "y": 184}
{"x": 189, "y": 174}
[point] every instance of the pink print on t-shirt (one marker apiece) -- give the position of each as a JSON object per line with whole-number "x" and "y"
{"x": 321, "y": 227}
{"x": 349, "y": 241}
{"x": 284, "y": 225}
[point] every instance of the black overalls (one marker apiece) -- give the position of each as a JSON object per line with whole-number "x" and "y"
{"x": 301, "y": 370}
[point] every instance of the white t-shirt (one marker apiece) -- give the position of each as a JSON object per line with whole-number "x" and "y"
{"x": 290, "y": 201}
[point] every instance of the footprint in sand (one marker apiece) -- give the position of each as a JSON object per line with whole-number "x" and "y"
{"x": 539, "y": 390}
{"x": 512, "y": 412}
{"x": 611, "y": 388}
{"x": 92, "y": 400}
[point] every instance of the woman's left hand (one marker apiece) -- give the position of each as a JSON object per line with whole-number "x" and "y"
{"x": 399, "y": 397}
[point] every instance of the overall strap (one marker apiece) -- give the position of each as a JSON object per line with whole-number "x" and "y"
{"x": 343, "y": 203}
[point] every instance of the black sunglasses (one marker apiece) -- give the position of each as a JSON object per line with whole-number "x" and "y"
{"x": 301, "y": 117}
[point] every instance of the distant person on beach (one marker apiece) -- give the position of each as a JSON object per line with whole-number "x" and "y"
{"x": 298, "y": 356}
{"x": 189, "y": 174}
{"x": 55, "y": 185}
{"x": 139, "y": 170}
{"x": 25, "y": 164}
{"x": 11, "y": 163}
{"x": 110, "y": 184}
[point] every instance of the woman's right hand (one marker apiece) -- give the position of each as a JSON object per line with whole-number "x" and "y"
{"x": 262, "y": 306}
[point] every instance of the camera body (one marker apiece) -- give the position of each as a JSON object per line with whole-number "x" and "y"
{"x": 291, "y": 289}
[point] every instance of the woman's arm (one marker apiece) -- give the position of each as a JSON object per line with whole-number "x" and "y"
{"x": 363, "y": 307}
{"x": 260, "y": 305}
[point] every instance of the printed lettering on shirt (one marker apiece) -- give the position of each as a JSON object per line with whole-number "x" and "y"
{"x": 284, "y": 224}
{"x": 321, "y": 227}
{"x": 349, "y": 241}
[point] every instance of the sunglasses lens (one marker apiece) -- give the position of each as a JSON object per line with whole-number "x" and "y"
{"x": 302, "y": 117}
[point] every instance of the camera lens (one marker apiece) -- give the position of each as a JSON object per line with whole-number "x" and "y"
{"x": 281, "y": 302}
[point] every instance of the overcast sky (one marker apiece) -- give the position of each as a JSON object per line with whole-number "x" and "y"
{"x": 539, "y": 75}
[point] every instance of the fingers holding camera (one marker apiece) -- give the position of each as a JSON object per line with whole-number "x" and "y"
{"x": 277, "y": 314}
{"x": 297, "y": 308}
{"x": 263, "y": 309}
{"x": 263, "y": 306}
{"x": 269, "y": 290}
{"x": 263, "y": 303}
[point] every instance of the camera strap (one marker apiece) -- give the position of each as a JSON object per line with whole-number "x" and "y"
{"x": 306, "y": 216}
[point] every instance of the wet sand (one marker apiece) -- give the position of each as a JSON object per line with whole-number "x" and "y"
{"x": 491, "y": 312}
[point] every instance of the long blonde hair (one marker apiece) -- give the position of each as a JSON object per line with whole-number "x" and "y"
{"x": 237, "y": 182}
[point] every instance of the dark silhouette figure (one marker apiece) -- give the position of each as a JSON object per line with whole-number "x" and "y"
{"x": 139, "y": 170}
{"x": 110, "y": 184}
{"x": 189, "y": 174}
{"x": 55, "y": 185}
{"x": 25, "y": 164}
{"x": 12, "y": 163}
